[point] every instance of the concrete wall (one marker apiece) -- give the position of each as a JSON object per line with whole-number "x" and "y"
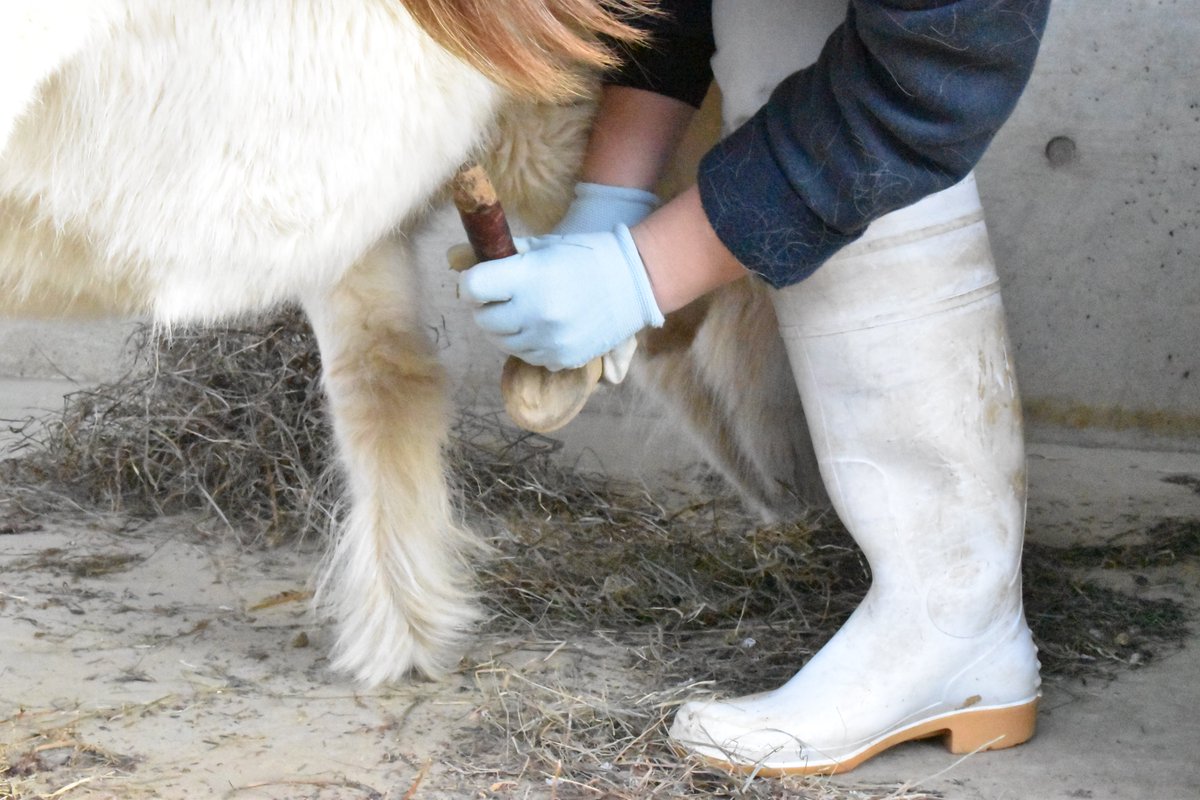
{"x": 1093, "y": 193}
{"x": 1093, "y": 198}
{"x": 42, "y": 361}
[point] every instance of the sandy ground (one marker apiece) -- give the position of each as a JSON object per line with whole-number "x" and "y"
{"x": 155, "y": 659}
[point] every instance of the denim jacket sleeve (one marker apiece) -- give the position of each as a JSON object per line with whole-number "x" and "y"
{"x": 903, "y": 101}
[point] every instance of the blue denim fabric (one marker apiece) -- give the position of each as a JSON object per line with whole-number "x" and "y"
{"x": 903, "y": 101}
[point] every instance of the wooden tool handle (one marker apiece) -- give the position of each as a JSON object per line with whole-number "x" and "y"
{"x": 536, "y": 398}
{"x": 482, "y": 215}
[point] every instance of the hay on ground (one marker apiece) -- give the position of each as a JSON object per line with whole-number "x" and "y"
{"x": 690, "y": 587}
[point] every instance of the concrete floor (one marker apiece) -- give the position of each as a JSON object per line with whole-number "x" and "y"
{"x": 1133, "y": 738}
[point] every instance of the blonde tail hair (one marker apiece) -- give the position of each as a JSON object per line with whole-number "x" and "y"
{"x": 534, "y": 48}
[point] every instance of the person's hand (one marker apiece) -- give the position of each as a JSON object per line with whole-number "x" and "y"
{"x": 563, "y": 300}
{"x": 596, "y": 208}
{"x": 600, "y": 207}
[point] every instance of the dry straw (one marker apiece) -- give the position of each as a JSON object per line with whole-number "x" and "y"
{"x": 683, "y": 590}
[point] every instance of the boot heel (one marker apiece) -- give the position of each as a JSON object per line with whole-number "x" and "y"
{"x": 992, "y": 728}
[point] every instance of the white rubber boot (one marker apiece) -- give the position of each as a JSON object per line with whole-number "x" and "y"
{"x": 900, "y": 351}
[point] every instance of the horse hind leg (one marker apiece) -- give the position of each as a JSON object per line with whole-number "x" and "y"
{"x": 396, "y": 579}
{"x": 718, "y": 367}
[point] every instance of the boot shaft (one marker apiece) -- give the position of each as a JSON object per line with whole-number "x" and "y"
{"x": 902, "y": 358}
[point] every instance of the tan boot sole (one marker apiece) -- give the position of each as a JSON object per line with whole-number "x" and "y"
{"x": 968, "y": 731}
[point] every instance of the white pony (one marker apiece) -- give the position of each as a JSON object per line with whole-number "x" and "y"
{"x": 197, "y": 159}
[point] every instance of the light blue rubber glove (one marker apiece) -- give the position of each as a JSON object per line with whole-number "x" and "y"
{"x": 600, "y": 207}
{"x": 563, "y": 300}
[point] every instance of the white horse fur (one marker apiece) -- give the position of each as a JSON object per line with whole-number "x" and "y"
{"x": 198, "y": 159}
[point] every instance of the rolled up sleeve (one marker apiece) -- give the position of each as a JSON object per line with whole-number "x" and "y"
{"x": 903, "y": 101}
{"x": 676, "y": 59}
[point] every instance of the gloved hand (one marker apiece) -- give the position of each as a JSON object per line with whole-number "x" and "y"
{"x": 563, "y": 300}
{"x": 600, "y": 207}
